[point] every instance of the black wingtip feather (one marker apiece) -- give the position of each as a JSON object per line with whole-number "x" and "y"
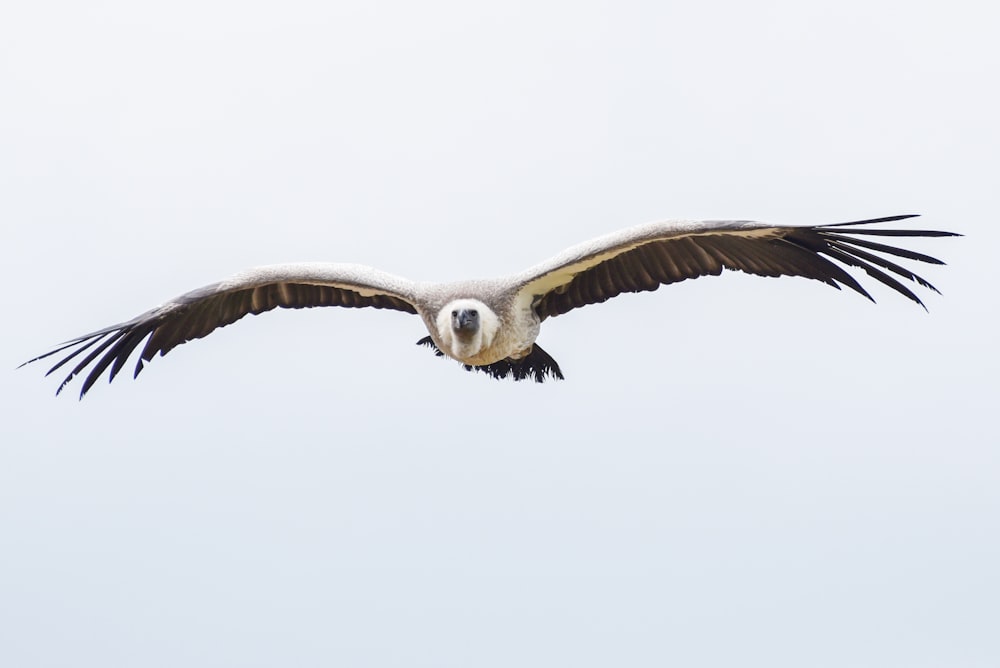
{"x": 844, "y": 245}
{"x": 895, "y": 233}
{"x": 875, "y": 273}
{"x": 865, "y": 256}
{"x": 884, "y": 248}
{"x": 870, "y": 221}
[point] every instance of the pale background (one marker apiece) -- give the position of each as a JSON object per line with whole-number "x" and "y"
{"x": 737, "y": 471}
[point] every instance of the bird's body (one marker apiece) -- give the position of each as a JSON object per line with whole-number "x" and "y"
{"x": 506, "y": 328}
{"x": 492, "y": 325}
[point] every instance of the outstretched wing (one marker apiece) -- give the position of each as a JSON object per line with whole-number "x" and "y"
{"x": 644, "y": 258}
{"x": 200, "y": 312}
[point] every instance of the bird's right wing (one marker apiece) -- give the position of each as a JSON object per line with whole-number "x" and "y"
{"x": 198, "y": 313}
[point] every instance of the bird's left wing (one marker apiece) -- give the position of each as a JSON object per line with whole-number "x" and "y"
{"x": 198, "y": 313}
{"x": 644, "y": 258}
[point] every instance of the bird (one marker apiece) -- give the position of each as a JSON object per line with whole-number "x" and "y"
{"x": 491, "y": 325}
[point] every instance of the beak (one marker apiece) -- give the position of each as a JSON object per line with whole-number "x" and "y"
{"x": 465, "y": 319}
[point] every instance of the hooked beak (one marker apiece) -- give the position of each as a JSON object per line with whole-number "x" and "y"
{"x": 465, "y": 319}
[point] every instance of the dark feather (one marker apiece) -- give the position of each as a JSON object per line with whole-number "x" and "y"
{"x": 537, "y": 365}
{"x": 892, "y": 250}
{"x": 194, "y": 316}
{"x": 869, "y": 221}
{"x": 810, "y": 252}
{"x": 848, "y": 247}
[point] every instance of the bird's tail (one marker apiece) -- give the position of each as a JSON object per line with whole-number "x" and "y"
{"x": 537, "y": 365}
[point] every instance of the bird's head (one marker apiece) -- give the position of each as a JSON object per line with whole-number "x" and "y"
{"x": 467, "y": 327}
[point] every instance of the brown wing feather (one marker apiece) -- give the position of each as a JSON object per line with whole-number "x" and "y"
{"x": 647, "y": 263}
{"x": 197, "y": 314}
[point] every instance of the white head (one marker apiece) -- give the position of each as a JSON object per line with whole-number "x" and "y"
{"x": 466, "y": 327}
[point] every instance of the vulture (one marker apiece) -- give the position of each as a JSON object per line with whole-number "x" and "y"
{"x": 491, "y": 325}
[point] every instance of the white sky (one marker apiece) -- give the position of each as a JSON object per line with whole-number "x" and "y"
{"x": 737, "y": 471}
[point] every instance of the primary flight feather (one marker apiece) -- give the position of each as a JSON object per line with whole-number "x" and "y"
{"x": 491, "y": 325}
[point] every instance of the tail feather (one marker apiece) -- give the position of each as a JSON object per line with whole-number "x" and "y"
{"x": 537, "y": 365}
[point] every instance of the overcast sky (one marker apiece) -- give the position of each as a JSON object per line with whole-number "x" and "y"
{"x": 736, "y": 471}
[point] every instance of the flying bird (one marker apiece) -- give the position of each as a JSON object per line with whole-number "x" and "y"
{"x": 491, "y": 325}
